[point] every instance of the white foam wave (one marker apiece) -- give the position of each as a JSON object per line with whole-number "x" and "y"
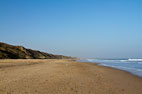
{"x": 90, "y": 60}
{"x": 135, "y": 60}
{"x": 132, "y": 60}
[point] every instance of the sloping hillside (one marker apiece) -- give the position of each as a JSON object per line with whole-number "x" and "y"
{"x": 19, "y": 52}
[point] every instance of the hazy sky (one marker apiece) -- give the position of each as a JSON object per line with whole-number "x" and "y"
{"x": 82, "y": 28}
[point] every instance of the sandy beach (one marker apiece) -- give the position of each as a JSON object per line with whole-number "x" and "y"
{"x": 64, "y": 77}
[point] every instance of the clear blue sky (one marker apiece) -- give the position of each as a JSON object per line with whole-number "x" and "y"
{"x": 82, "y": 28}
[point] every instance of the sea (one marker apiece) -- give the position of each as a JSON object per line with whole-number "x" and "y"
{"x": 133, "y": 66}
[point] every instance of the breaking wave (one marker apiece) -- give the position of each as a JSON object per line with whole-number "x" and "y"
{"x": 132, "y": 60}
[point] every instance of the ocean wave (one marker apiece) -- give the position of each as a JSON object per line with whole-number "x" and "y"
{"x": 135, "y": 60}
{"x": 132, "y": 60}
{"x": 90, "y": 60}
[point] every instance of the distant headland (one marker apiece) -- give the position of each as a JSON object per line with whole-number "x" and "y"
{"x": 8, "y": 51}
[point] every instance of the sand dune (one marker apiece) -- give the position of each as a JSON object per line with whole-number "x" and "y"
{"x": 64, "y": 77}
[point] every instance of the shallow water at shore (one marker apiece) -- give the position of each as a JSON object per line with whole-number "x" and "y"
{"x": 133, "y": 66}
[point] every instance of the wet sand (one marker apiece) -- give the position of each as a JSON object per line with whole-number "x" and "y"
{"x": 64, "y": 77}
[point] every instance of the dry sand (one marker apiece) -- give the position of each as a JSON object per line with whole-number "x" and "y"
{"x": 64, "y": 77}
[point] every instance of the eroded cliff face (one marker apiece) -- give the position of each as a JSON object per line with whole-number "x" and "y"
{"x": 19, "y": 52}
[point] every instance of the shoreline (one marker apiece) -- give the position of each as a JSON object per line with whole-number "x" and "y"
{"x": 114, "y": 69}
{"x": 62, "y": 76}
{"x": 121, "y": 70}
{"x": 97, "y": 63}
